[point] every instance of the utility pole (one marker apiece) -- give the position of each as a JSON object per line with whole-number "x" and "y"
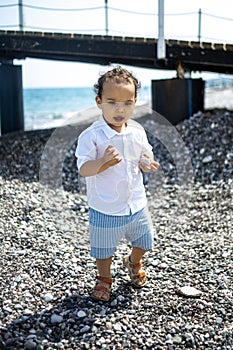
{"x": 106, "y": 17}
{"x": 161, "y": 48}
{"x": 21, "y": 15}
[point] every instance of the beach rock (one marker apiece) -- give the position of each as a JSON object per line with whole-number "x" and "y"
{"x": 81, "y": 314}
{"x": 30, "y": 344}
{"x": 48, "y": 297}
{"x": 56, "y": 318}
{"x": 189, "y": 291}
{"x": 207, "y": 159}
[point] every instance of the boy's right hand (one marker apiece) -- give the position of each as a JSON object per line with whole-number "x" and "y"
{"x": 93, "y": 167}
{"x": 111, "y": 156}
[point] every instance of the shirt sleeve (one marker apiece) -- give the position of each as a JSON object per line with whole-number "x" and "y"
{"x": 86, "y": 149}
{"x": 146, "y": 147}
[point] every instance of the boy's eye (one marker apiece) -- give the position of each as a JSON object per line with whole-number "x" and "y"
{"x": 118, "y": 104}
{"x": 128, "y": 103}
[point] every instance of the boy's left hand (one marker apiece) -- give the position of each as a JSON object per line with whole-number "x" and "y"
{"x": 146, "y": 164}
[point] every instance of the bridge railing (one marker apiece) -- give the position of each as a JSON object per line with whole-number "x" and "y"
{"x": 194, "y": 26}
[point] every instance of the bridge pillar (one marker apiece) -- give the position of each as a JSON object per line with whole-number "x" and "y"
{"x": 11, "y": 98}
{"x": 178, "y": 99}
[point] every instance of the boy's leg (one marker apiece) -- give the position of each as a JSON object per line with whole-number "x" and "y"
{"x": 140, "y": 234}
{"x": 135, "y": 257}
{"x": 104, "y": 270}
{"x": 136, "y": 254}
{"x": 104, "y": 267}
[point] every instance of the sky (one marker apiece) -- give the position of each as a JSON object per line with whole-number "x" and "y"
{"x": 125, "y": 18}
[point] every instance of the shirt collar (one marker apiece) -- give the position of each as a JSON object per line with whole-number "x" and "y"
{"x": 109, "y": 132}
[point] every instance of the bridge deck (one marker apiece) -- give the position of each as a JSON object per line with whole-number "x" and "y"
{"x": 134, "y": 51}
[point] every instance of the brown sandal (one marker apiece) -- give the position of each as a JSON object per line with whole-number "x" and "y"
{"x": 138, "y": 279}
{"x": 99, "y": 287}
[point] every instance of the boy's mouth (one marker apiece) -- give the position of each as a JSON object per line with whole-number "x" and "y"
{"x": 118, "y": 119}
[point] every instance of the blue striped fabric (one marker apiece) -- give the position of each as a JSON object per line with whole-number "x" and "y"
{"x": 107, "y": 230}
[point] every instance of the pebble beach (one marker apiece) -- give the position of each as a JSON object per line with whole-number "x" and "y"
{"x": 46, "y": 272}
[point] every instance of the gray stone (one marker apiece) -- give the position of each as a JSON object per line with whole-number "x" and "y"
{"x": 56, "y": 318}
{"x": 85, "y": 329}
{"x": 30, "y": 344}
{"x": 81, "y": 314}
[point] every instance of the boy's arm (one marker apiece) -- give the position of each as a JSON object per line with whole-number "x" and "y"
{"x": 110, "y": 158}
{"x": 147, "y": 162}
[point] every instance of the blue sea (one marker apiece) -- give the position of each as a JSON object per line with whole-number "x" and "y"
{"x": 52, "y": 107}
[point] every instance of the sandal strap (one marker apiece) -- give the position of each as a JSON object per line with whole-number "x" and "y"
{"x": 139, "y": 275}
{"x": 135, "y": 277}
{"x": 135, "y": 265}
{"x": 104, "y": 279}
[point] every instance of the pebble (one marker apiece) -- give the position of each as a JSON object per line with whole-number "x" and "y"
{"x": 117, "y": 327}
{"x": 177, "y": 340}
{"x": 81, "y": 314}
{"x": 189, "y": 291}
{"x": 30, "y": 344}
{"x": 46, "y": 271}
{"x": 207, "y": 159}
{"x": 85, "y": 329}
{"x": 56, "y": 318}
{"x": 48, "y": 297}
{"x": 219, "y": 320}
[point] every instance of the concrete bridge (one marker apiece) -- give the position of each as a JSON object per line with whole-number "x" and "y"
{"x": 140, "y": 52}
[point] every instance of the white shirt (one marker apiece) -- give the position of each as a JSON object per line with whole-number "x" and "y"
{"x": 118, "y": 190}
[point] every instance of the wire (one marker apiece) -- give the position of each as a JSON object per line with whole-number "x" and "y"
{"x": 9, "y": 5}
{"x": 8, "y": 25}
{"x": 63, "y": 30}
{"x": 218, "y": 17}
{"x": 181, "y": 14}
{"x": 62, "y": 9}
{"x": 126, "y": 33}
{"x": 149, "y": 13}
{"x": 215, "y": 40}
{"x": 132, "y": 12}
{"x": 184, "y": 37}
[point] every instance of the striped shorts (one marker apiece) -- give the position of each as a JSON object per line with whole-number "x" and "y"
{"x": 106, "y": 231}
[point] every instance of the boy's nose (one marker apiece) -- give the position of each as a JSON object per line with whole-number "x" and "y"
{"x": 120, "y": 106}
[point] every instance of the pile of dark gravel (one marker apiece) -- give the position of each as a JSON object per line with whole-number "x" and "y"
{"x": 207, "y": 137}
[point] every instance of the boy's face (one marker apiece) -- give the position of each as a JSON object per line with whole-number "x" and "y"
{"x": 117, "y": 103}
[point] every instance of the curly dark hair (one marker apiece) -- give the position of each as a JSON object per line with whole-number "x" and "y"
{"x": 119, "y": 75}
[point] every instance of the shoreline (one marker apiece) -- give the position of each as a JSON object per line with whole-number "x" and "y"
{"x": 219, "y": 98}
{"x": 215, "y": 98}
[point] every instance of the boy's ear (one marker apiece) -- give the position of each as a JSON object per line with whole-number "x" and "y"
{"x": 98, "y": 102}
